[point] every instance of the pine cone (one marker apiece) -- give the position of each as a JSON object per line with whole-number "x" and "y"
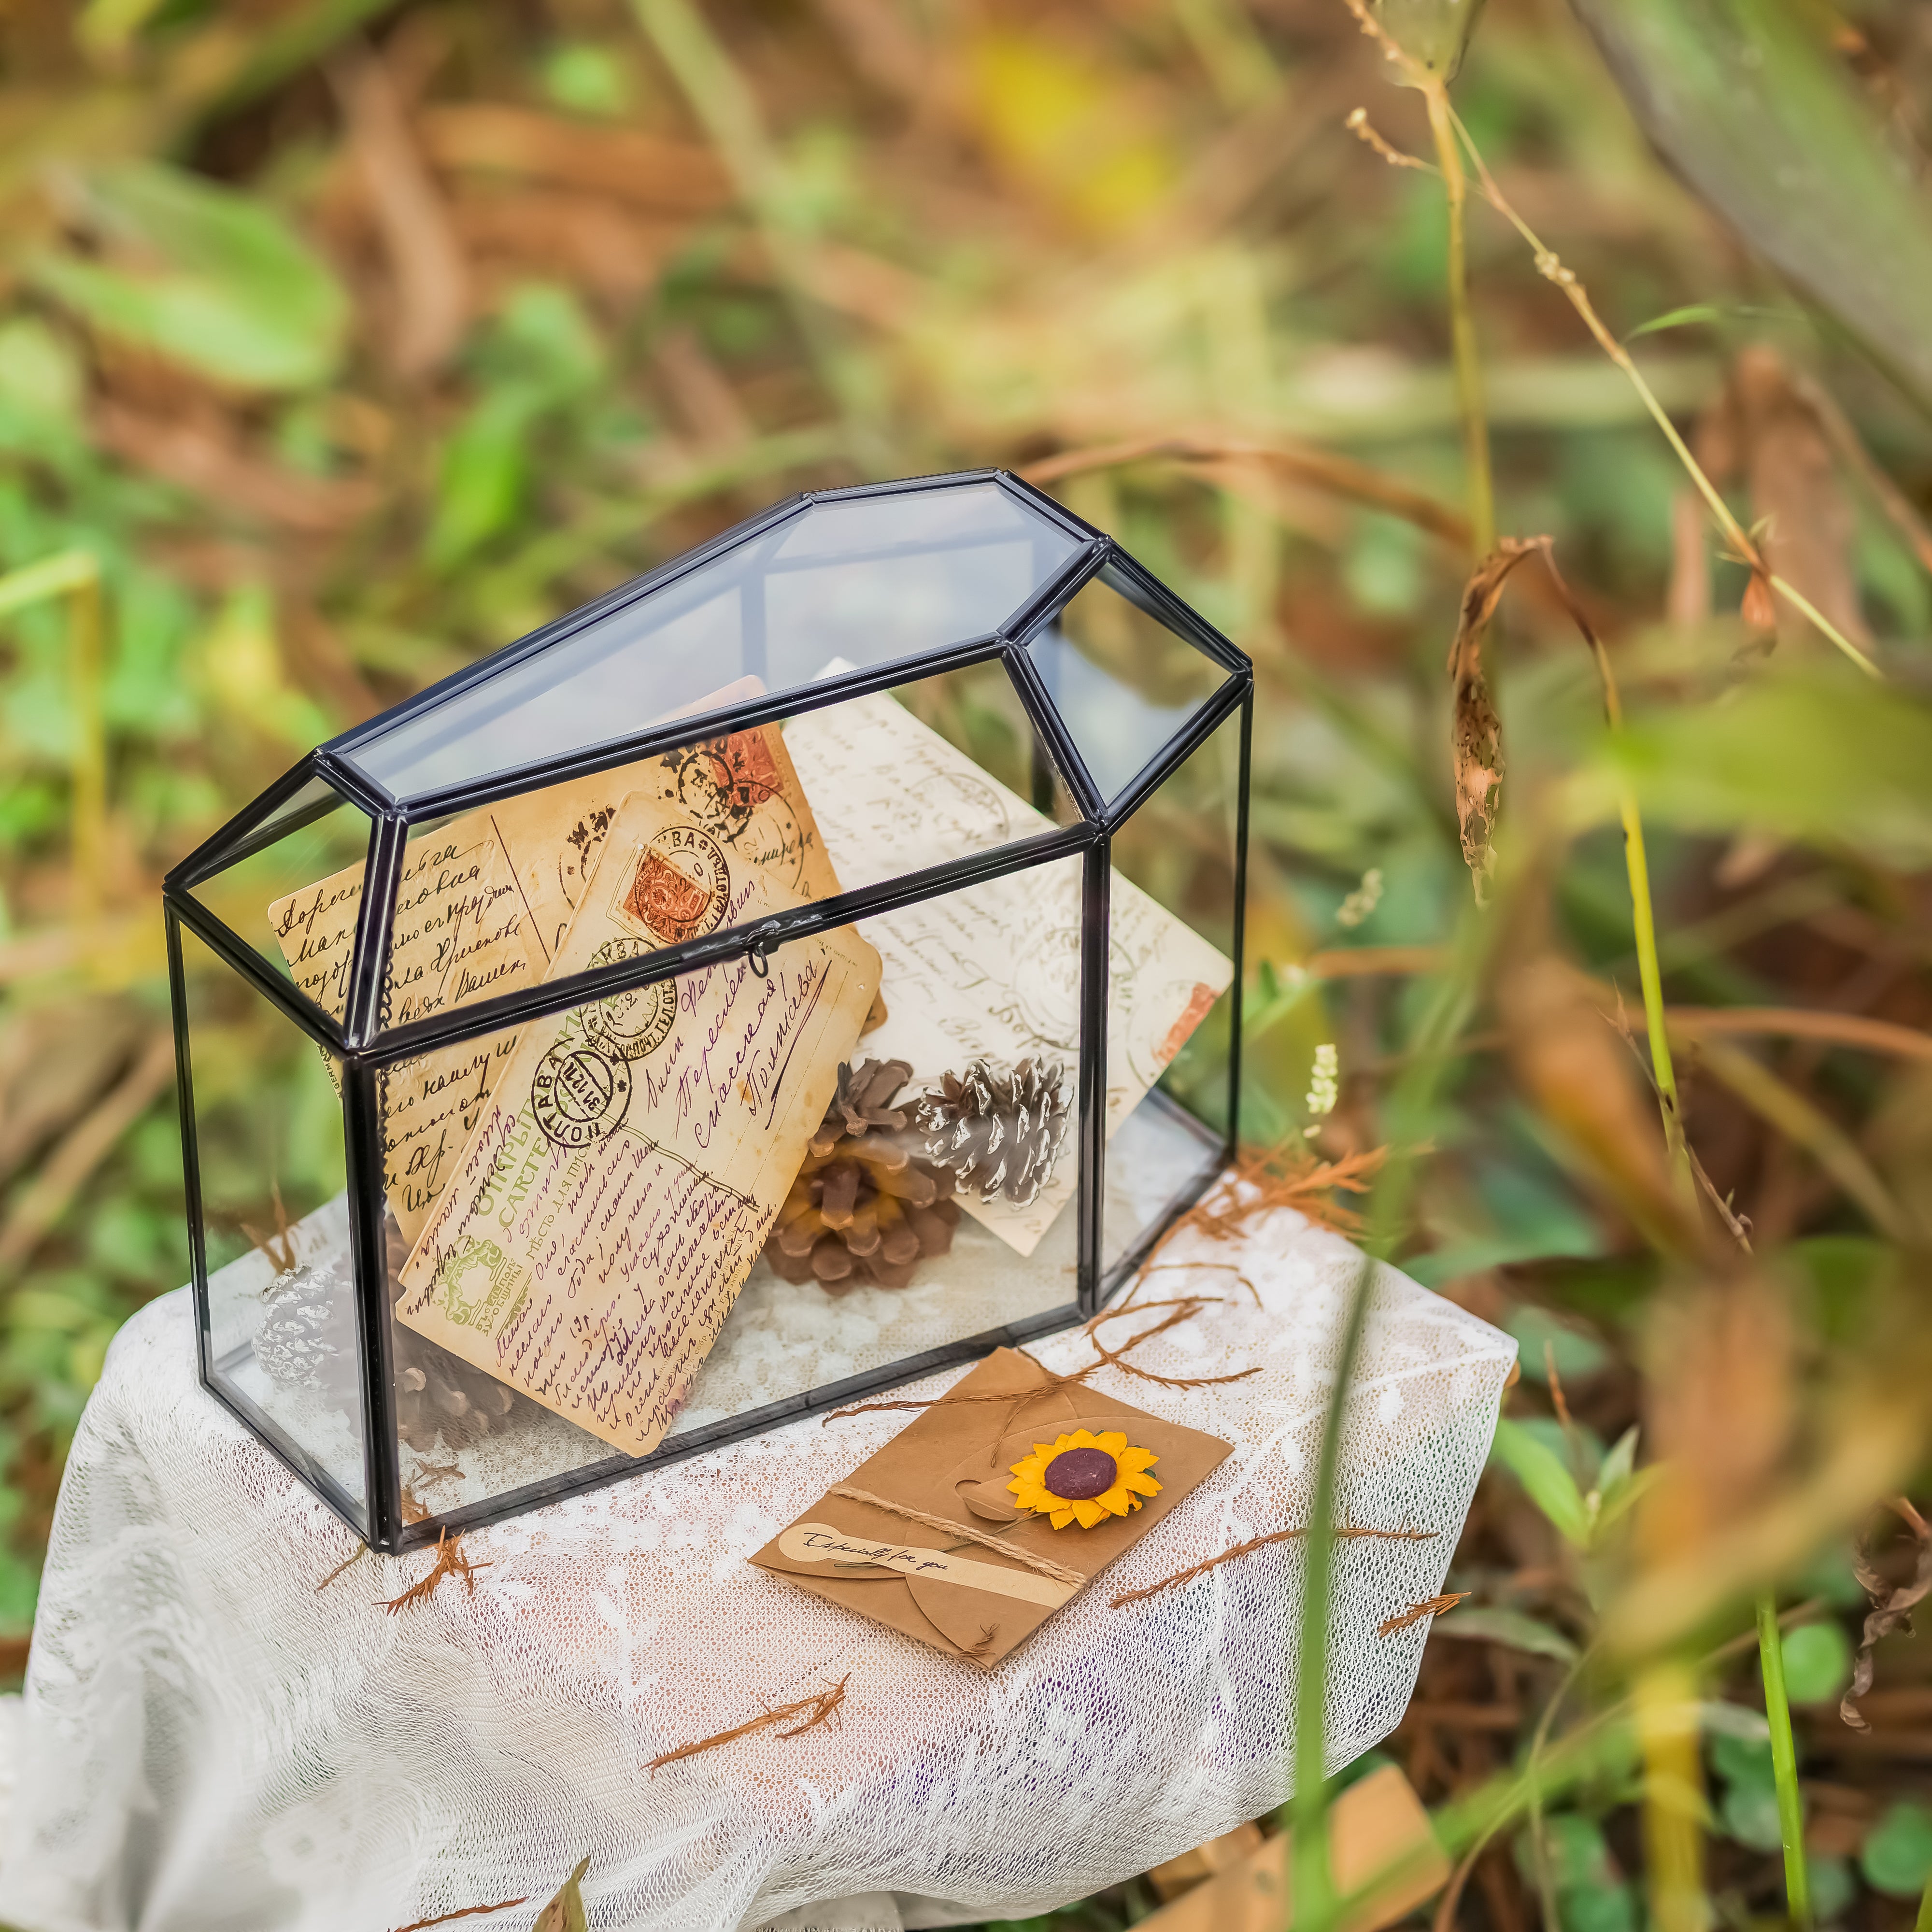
{"x": 437, "y": 1392}
{"x": 306, "y": 1341}
{"x": 998, "y": 1129}
{"x": 863, "y": 1207}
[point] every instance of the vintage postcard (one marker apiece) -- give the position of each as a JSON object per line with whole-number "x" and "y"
{"x": 992, "y": 971}
{"x": 484, "y": 904}
{"x": 632, "y": 1155}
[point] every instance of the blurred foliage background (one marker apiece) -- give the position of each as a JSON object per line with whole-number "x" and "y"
{"x": 343, "y": 340}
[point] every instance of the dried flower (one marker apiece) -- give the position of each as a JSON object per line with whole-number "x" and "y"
{"x": 1084, "y": 1478}
{"x": 1362, "y": 901}
{"x": 1324, "y": 1079}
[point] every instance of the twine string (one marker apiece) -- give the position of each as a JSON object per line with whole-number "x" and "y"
{"x": 1045, "y": 1567}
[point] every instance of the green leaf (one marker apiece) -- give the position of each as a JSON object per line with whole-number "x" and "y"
{"x": 1491, "y": 1623}
{"x": 1817, "y": 1662}
{"x": 234, "y": 294}
{"x": 1802, "y": 752}
{"x": 1751, "y": 106}
{"x": 1599, "y": 1908}
{"x": 1833, "y": 1887}
{"x": 1540, "y": 1471}
{"x": 485, "y": 472}
{"x": 1615, "y": 1469}
{"x": 1739, "y": 1735}
{"x": 1897, "y": 1858}
{"x": 1577, "y": 1354}
{"x": 586, "y": 78}
{"x": 1748, "y": 1812}
{"x": 1677, "y": 318}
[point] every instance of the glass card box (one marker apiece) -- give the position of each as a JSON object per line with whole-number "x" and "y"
{"x": 814, "y": 963}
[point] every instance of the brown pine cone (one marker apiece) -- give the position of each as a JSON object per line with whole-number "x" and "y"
{"x": 863, "y": 1208}
{"x": 998, "y": 1129}
{"x": 437, "y": 1392}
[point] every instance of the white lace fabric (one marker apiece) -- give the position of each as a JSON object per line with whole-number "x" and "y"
{"x": 211, "y": 1743}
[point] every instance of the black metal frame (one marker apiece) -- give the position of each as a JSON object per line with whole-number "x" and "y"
{"x": 362, "y": 1046}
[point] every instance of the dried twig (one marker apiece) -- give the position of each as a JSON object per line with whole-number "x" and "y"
{"x": 44, "y": 1200}
{"x": 355, "y": 1556}
{"x": 1433, "y": 1606}
{"x": 468, "y": 1911}
{"x": 813, "y": 1711}
{"x": 1263, "y": 1179}
{"x": 1185, "y": 1307}
{"x": 1255, "y": 1542}
{"x": 450, "y": 1562}
{"x": 1339, "y": 475}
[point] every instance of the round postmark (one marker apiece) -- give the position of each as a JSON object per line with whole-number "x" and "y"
{"x": 682, "y": 885}
{"x": 723, "y": 782}
{"x": 579, "y": 1094}
{"x": 636, "y": 1021}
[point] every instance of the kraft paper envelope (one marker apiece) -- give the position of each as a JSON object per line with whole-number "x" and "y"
{"x": 484, "y": 905}
{"x": 955, "y": 1593}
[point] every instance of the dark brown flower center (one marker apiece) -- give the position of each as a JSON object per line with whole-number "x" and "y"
{"x": 1079, "y": 1475}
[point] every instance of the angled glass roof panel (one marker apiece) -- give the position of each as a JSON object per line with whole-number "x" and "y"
{"x": 873, "y": 580}
{"x": 1124, "y": 682}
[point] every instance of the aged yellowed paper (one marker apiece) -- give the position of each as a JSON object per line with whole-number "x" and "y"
{"x": 484, "y": 901}
{"x": 632, "y": 1155}
{"x": 993, "y": 971}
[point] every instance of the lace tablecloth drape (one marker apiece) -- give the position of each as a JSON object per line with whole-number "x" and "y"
{"x": 209, "y": 1744}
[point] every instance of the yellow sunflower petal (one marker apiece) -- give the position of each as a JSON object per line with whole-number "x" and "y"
{"x": 1141, "y": 1483}
{"x": 1081, "y": 1439}
{"x": 1090, "y": 1513}
{"x": 1113, "y": 1441}
{"x": 1063, "y": 1516}
{"x": 1136, "y": 1459}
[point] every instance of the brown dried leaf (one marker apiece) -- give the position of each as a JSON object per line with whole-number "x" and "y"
{"x": 1475, "y": 732}
{"x": 201, "y": 453}
{"x": 1721, "y": 1362}
{"x": 672, "y": 177}
{"x": 427, "y": 268}
{"x": 1580, "y": 1078}
{"x": 1809, "y": 526}
{"x": 1892, "y": 1605}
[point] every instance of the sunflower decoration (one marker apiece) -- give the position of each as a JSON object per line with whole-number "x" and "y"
{"x": 1084, "y": 1478}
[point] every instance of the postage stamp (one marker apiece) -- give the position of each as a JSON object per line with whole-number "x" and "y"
{"x": 722, "y": 782}
{"x": 681, "y": 887}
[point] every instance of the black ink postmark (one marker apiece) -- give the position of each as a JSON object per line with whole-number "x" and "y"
{"x": 636, "y": 1021}
{"x": 579, "y": 1094}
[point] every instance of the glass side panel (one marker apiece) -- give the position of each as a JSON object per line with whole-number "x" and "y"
{"x": 1169, "y": 1002}
{"x": 1122, "y": 681}
{"x": 294, "y": 898}
{"x": 281, "y": 1296}
{"x": 687, "y": 1201}
{"x": 870, "y": 580}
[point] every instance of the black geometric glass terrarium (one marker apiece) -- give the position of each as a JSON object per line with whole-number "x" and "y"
{"x": 817, "y": 962}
